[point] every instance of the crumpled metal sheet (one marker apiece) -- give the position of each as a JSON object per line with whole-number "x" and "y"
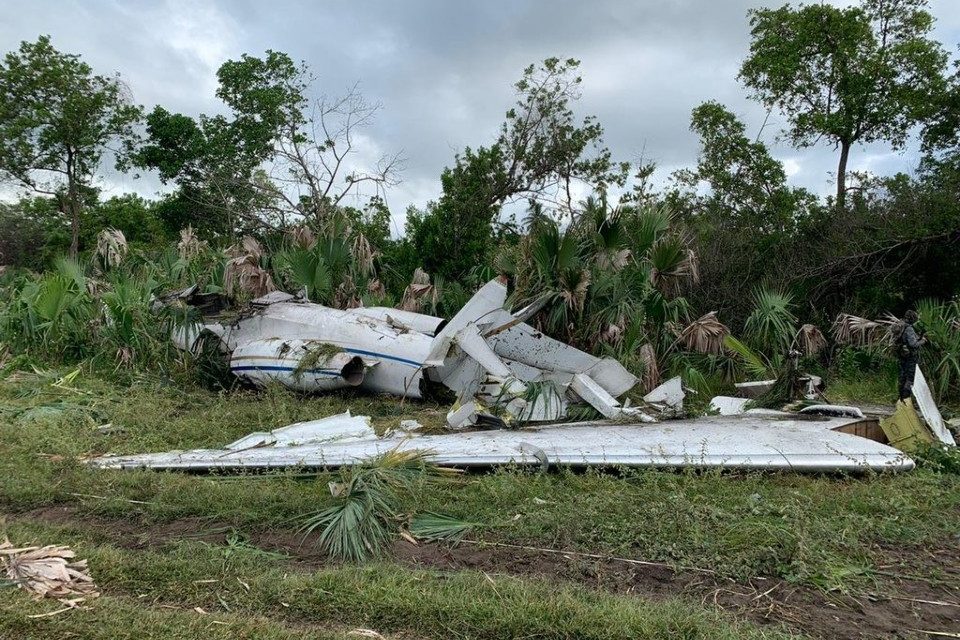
{"x": 928, "y": 409}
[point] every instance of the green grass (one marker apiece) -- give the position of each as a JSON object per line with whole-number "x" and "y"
{"x": 820, "y": 530}
{"x": 801, "y": 527}
{"x": 872, "y": 388}
{"x": 382, "y": 596}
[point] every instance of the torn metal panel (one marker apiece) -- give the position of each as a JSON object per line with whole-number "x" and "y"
{"x": 338, "y": 428}
{"x": 668, "y": 397}
{"x": 753, "y": 390}
{"x": 928, "y": 409}
{"x": 747, "y": 442}
{"x": 522, "y": 343}
{"x": 729, "y": 406}
{"x": 597, "y": 397}
{"x": 904, "y": 429}
{"x": 272, "y": 298}
{"x": 407, "y": 320}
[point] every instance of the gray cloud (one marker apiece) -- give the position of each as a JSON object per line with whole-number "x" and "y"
{"x": 444, "y": 70}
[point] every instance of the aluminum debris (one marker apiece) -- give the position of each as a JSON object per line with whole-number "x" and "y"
{"x": 839, "y": 410}
{"x": 765, "y": 440}
{"x": 484, "y": 354}
{"x": 729, "y": 406}
{"x": 928, "y": 409}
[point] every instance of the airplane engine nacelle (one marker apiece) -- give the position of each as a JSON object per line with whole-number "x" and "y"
{"x": 305, "y": 365}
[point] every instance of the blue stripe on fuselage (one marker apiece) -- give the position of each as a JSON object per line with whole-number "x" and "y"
{"x": 264, "y": 367}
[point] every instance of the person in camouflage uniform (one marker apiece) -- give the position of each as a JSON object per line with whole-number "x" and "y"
{"x": 908, "y": 352}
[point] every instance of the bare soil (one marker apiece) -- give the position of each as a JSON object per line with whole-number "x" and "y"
{"x": 917, "y": 589}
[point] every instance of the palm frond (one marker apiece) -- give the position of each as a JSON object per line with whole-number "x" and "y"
{"x": 435, "y": 527}
{"x": 753, "y": 362}
{"x": 704, "y": 335}
{"x": 651, "y": 372}
{"x": 856, "y": 331}
{"x": 771, "y": 325}
{"x": 810, "y": 340}
{"x": 111, "y": 246}
{"x": 365, "y": 514}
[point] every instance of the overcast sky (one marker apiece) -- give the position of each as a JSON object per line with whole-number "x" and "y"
{"x": 444, "y": 70}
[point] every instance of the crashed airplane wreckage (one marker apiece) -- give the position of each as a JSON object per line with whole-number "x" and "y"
{"x": 492, "y": 358}
{"x": 486, "y": 355}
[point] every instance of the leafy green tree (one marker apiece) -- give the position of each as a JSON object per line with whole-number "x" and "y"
{"x": 747, "y": 187}
{"x": 215, "y": 159}
{"x": 131, "y": 214}
{"x": 941, "y": 134}
{"x": 57, "y": 118}
{"x": 846, "y": 75}
{"x": 540, "y": 153}
{"x": 739, "y": 205}
{"x": 275, "y": 159}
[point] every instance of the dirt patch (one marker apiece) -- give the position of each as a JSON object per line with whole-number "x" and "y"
{"x": 918, "y": 589}
{"x": 899, "y": 613}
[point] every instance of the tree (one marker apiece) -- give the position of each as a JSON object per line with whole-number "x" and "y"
{"x": 748, "y": 187}
{"x": 274, "y": 159}
{"x": 57, "y": 118}
{"x": 216, "y": 160}
{"x": 846, "y": 75}
{"x": 314, "y": 168}
{"x": 540, "y": 153}
{"x": 941, "y": 134}
{"x": 134, "y": 216}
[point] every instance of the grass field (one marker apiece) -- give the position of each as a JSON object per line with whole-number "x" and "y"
{"x": 561, "y": 554}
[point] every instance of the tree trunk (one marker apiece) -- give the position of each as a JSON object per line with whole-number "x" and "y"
{"x": 842, "y": 174}
{"x": 73, "y": 204}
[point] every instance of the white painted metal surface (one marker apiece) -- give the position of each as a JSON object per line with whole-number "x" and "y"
{"x": 928, "y": 409}
{"x": 279, "y": 360}
{"x": 840, "y": 410}
{"x": 401, "y": 319}
{"x": 750, "y": 441}
{"x": 399, "y": 355}
{"x": 483, "y": 353}
{"x": 729, "y": 406}
{"x": 342, "y": 427}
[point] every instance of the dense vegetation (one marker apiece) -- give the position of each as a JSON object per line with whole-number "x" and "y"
{"x": 264, "y": 198}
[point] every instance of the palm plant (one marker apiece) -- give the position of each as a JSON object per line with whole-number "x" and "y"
{"x": 940, "y": 358}
{"x": 129, "y": 323}
{"x": 705, "y": 335}
{"x": 54, "y": 311}
{"x": 771, "y": 325}
{"x": 366, "y": 511}
{"x": 111, "y": 247}
{"x": 858, "y": 332}
{"x": 558, "y": 271}
{"x": 809, "y": 340}
{"x": 333, "y": 270}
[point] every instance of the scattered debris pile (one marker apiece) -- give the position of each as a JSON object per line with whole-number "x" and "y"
{"x": 905, "y": 429}
{"x": 501, "y": 369}
{"x": 505, "y": 373}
